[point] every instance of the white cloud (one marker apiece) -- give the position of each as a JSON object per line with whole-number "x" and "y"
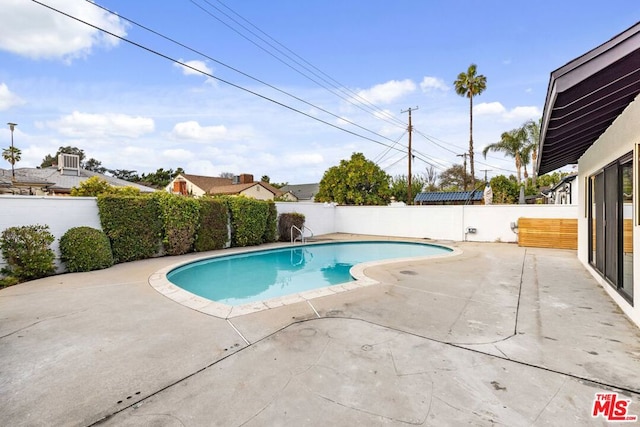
{"x": 31, "y": 30}
{"x": 193, "y": 130}
{"x": 487, "y": 108}
{"x": 303, "y": 159}
{"x": 7, "y": 98}
{"x": 497, "y": 109}
{"x": 195, "y": 67}
{"x": 524, "y": 113}
{"x": 430, "y": 84}
{"x": 87, "y": 125}
{"x": 178, "y": 154}
{"x": 388, "y": 92}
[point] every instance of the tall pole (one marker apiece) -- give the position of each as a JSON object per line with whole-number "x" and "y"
{"x": 464, "y": 176}
{"x": 13, "y": 153}
{"x": 409, "y": 129}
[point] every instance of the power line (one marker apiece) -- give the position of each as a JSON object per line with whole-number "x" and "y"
{"x": 236, "y": 70}
{"x": 162, "y": 55}
{"x": 339, "y": 86}
{"x": 349, "y": 100}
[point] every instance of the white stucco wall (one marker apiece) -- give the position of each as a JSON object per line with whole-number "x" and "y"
{"x": 319, "y": 217}
{"x": 618, "y": 140}
{"x": 59, "y": 213}
{"x": 492, "y": 223}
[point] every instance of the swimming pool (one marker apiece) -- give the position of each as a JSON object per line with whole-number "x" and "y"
{"x": 247, "y": 278}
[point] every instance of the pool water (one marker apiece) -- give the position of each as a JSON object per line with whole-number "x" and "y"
{"x": 255, "y": 276}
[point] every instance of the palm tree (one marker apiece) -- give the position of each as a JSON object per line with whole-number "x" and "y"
{"x": 532, "y": 130}
{"x": 470, "y": 84}
{"x": 12, "y": 155}
{"x": 511, "y": 144}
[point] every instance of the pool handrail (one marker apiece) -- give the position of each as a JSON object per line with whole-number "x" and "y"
{"x": 301, "y": 236}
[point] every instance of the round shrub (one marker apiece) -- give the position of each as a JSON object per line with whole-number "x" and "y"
{"x": 85, "y": 249}
{"x": 27, "y": 252}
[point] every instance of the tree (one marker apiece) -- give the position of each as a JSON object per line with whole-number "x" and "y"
{"x": 357, "y": 181}
{"x": 51, "y": 160}
{"x": 399, "y": 187}
{"x": 470, "y": 84}
{"x": 532, "y": 130}
{"x": 228, "y": 175}
{"x": 96, "y": 186}
{"x": 453, "y": 178}
{"x": 511, "y": 144}
{"x": 265, "y": 178}
{"x": 160, "y": 178}
{"x": 505, "y": 190}
{"x": 91, "y": 187}
{"x": 431, "y": 178}
{"x": 95, "y": 166}
{"x": 127, "y": 175}
{"x": 12, "y": 155}
{"x": 551, "y": 179}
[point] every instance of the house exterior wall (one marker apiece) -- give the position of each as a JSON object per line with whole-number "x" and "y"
{"x": 618, "y": 140}
{"x": 191, "y": 187}
{"x": 258, "y": 192}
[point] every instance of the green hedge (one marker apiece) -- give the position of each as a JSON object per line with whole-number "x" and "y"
{"x": 180, "y": 218}
{"x": 85, "y": 249}
{"x": 27, "y": 252}
{"x": 133, "y": 225}
{"x": 271, "y": 227}
{"x": 139, "y": 227}
{"x": 213, "y": 229}
{"x": 248, "y": 220}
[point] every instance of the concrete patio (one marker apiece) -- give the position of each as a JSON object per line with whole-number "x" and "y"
{"x": 498, "y": 335}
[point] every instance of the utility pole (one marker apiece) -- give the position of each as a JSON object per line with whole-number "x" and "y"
{"x": 485, "y": 173}
{"x": 409, "y": 129}
{"x": 464, "y": 177}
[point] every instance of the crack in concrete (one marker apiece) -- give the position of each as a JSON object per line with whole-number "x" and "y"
{"x": 43, "y": 320}
{"x": 550, "y": 400}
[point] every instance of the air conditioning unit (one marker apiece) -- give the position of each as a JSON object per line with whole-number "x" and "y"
{"x": 69, "y": 164}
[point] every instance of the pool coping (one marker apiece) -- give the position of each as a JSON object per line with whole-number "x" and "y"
{"x": 158, "y": 280}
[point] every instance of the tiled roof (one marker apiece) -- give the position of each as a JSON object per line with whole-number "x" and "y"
{"x": 205, "y": 183}
{"x": 64, "y": 183}
{"x": 302, "y": 191}
{"x": 238, "y": 188}
{"x": 449, "y": 196}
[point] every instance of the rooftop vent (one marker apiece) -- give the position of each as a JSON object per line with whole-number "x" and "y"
{"x": 69, "y": 164}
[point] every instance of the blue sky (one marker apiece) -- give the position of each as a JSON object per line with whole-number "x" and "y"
{"x": 66, "y": 83}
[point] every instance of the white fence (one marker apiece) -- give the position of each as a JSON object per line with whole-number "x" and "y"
{"x": 471, "y": 223}
{"x": 491, "y": 223}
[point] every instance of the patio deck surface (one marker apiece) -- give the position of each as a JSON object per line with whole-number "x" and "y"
{"x": 497, "y": 335}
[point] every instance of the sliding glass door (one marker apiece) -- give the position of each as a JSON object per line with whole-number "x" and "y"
{"x": 610, "y": 224}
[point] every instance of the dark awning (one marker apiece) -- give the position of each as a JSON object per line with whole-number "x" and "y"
{"x": 585, "y": 96}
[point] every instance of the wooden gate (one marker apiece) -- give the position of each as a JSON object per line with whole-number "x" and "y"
{"x": 558, "y": 233}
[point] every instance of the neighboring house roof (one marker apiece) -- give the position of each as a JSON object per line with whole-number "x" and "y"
{"x": 563, "y": 181}
{"x": 21, "y": 179}
{"x": 585, "y": 96}
{"x": 239, "y": 188}
{"x": 58, "y": 182}
{"x": 302, "y": 191}
{"x": 450, "y": 196}
{"x": 205, "y": 183}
